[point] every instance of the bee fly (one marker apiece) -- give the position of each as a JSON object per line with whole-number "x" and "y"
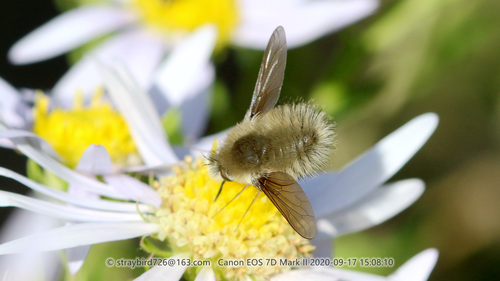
{"x": 274, "y": 146}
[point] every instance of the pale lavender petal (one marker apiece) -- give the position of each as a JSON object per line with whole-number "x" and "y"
{"x": 95, "y": 161}
{"x": 8, "y": 104}
{"x": 417, "y": 268}
{"x": 179, "y": 76}
{"x": 134, "y": 189}
{"x": 325, "y": 274}
{"x": 8, "y": 199}
{"x": 204, "y": 145}
{"x": 78, "y": 235}
{"x": 68, "y": 31}
{"x": 141, "y": 117}
{"x": 164, "y": 273}
{"x": 195, "y": 111}
{"x": 139, "y": 50}
{"x": 376, "y": 207}
{"x": 332, "y": 192}
{"x": 34, "y": 140}
{"x": 75, "y": 257}
{"x": 323, "y": 243}
{"x": 5, "y": 143}
{"x": 304, "y": 21}
{"x": 160, "y": 169}
{"x": 48, "y": 265}
{"x": 62, "y": 171}
{"x": 205, "y": 274}
{"x": 80, "y": 201}
{"x": 344, "y": 274}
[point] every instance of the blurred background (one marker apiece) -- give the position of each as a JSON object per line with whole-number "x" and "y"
{"x": 410, "y": 57}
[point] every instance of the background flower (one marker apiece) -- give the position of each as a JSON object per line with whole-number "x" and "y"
{"x": 141, "y": 32}
{"x": 70, "y": 129}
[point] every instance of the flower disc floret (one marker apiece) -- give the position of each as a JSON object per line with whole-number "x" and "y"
{"x": 181, "y": 16}
{"x": 190, "y": 225}
{"x": 71, "y": 131}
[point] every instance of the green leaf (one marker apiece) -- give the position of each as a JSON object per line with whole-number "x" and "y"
{"x": 36, "y": 173}
{"x": 155, "y": 247}
{"x": 172, "y": 124}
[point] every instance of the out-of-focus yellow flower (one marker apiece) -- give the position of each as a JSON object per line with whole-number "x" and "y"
{"x": 173, "y": 16}
{"x": 71, "y": 131}
{"x": 141, "y": 33}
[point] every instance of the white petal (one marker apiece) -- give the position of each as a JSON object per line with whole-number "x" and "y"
{"x": 161, "y": 169}
{"x": 179, "y": 74}
{"x": 164, "y": 273}
{"x": 205, "y": 144}
{"x": 323, "y": 243}
{"x": 134, "y": 189}
{"x": 62, "y": 171}
{"x": 5, "y": 143}
{"x": 141, "y": 117}
{"x": 8, "y": 104}
{"x": 22, "y": 223}
{"x": 417, "y": 268}
{"x": 344, "y": 274}
{"x": 78, "y": 235}
{"x": 195, "y": 111}
{"x": 34, "y": 140}
{"x": 139, "y": 50}
{"x": 95, "y": 160}
{"x": 8, "y": 199}
{"x": 205, "y": 274}
{"x": 65, "y": 197}
{"x": 68, "y": 31}
{"x": 75, "y": 258}
{"x": 324, "y": 274}
{"x": 303, "y": 21}
{"x": 376, "y": 207}
{"x": 332, "y": 192}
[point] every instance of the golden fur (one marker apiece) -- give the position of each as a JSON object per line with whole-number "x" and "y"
{"x": 296, "y": 139}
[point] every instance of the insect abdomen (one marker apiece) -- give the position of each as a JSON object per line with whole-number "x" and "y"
{"x": 301, "y": 138}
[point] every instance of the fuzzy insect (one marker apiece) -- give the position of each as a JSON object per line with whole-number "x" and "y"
{"x": 274, "y": 146}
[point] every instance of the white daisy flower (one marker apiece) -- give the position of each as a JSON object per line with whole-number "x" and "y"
{"x": 61, "y": 118}
{"x": 179, "y": 210}
{"x": 142, "y": 32}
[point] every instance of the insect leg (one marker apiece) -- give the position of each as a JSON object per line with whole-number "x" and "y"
{"x": 220, "y": 190}
{"x": 230, "y": 200}
{"x": 248, "y": 209}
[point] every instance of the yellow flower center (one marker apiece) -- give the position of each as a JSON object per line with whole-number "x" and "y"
{"x": 70, "y": 132}
{"x": 188, "y": 223}
{"x": 181, "y": 16}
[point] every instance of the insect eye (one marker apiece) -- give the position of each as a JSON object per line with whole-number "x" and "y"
{"x": 224, "y": 175}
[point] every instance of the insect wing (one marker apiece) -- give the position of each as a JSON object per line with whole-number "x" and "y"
{"x": 272, "y": 71}
{"x": 289, "y": 198}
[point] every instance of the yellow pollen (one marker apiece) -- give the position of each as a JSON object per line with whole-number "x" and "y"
{"x": 182, "y": 16}
{"x": 70, "y": 132}
{"x": 188, "y": 224}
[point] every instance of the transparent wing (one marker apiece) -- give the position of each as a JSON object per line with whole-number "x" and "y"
{"x": 289, "y": 198}
{"x": 272, "y": 71}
